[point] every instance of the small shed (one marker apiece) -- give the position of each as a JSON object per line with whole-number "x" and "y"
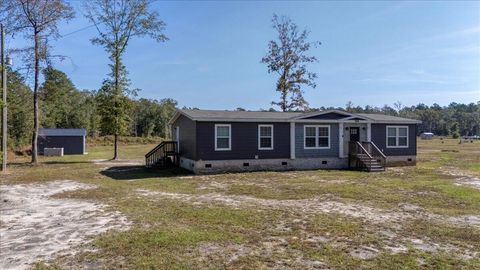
{"x": 72, "y": 140}
{"x": 426, "y": 136}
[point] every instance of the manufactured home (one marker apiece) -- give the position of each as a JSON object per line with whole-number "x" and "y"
{"x": 207, "y": 141}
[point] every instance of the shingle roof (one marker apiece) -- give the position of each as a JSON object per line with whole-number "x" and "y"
{"x": 387, "y": 118}
{"x": 238, "y": 116}
{"x": 61, "y": 132}
{"x": 229, "y": 115}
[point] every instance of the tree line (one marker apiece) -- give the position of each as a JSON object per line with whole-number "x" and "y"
{"x": 62, "y": 105}
{"x": 455, "y": 120}
{"x": 114, "y": 110}
{"x": 117, "y": 22}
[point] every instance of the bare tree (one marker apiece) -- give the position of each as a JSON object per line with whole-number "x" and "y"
{"x": 398, "y": 106}
{"x": 288, "y": 58}
{"x": 349, "y": 106}
{"x": 38, "y": 21}
{"x": 117, "y": 22}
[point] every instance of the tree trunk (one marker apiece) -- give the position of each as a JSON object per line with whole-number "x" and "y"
{"x": 284, "y": 91}
{"x": 284, "y": 100}
{"x": 115, "y": 147}
{"x": 115, "y": 150}
{"x": 35, "y": 103}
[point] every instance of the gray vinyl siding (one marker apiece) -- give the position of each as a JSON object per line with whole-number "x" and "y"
{"x": 300, "y": 152}
{"x": 244, "y": 138}
{"x": 188, "y": 137}
{"x": 72, "y": 145}
{"x": 379, "y": 137}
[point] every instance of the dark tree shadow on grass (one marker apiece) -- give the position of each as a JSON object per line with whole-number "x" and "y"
{"x": 141, "y": 172}
{"x": 65, "y": 162}
{"x": 28, "y": 164}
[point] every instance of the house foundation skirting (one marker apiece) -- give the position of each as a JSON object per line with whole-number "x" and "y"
{"x": 240, "y": 165}
{"x": 396, "y": 161}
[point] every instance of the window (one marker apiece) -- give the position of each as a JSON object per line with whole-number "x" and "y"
{"x": 397, "y": 136}
{"x": 265, "y": 137}
{"x": 316, "y": 137}
{"x": 223, "y": 138}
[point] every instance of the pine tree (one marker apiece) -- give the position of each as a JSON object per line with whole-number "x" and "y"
{"x": 288, "y": 58}
{"x": 117, "y": 22}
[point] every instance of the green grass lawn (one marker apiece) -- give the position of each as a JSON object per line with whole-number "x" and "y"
{"x": 191, "y": 232}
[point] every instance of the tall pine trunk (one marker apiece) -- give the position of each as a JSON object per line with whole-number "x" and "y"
{"x": 35, "y": 102}
{"x": 115, "y": 146}
{"x": 284, "y": 100}
{"x": 116, "y": 95}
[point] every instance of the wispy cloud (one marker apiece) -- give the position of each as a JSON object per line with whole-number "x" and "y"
{"x": 469, "y": 31}
{"x": 402, "y": 80}
{"x": 412, "y": 77}
{"x": 463, "y": 49}
{"x": 172, "y": 62}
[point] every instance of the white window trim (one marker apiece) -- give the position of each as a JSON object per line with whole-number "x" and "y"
{"x": 271, "y": 136}
{"x": 316, "y": 136}
{"x": 396, "y": 137}
{"x": 229, "y": 137}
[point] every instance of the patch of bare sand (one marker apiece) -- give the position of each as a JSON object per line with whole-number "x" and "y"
{"x": 34, "y": 226}
{"x": 385, "y": 223}
{"x": 461, "y": 178}
{"x": 274, "y": 251}
{"x": 323, "y": 204}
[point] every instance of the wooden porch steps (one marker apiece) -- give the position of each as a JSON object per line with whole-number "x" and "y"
{"x": 366, "y": 156}
{"x": 164, "y": 155}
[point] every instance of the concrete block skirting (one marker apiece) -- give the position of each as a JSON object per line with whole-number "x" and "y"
{"x": 218, "y": 166}
{"x": 396, "y": 161}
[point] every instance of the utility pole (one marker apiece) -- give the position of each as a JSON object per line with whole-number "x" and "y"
{"x": 4, "y": 105}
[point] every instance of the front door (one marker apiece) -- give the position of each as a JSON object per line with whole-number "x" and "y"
{"x": 354, "y": 134}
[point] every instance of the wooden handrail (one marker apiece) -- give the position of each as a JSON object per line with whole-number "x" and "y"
{"x": 158, "y": 147}
{"x": 161, "y": 151}
{"x": 364, "y": 150}
{"x": 378, "y": 150}
{"x": 375, "y": 152}
{"x": 364, "y": 154}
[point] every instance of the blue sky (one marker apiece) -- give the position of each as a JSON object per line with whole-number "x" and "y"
{"x": 372, "y": 53}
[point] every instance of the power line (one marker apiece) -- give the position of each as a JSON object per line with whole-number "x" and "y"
{"x": 92, "y": 25}
{"x": 78, "y": 30}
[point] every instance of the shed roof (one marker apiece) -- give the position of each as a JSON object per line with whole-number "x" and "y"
{"x": 61, "y": 132}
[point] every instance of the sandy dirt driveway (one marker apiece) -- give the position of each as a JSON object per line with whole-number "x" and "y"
{"x": 35, "y": 226}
